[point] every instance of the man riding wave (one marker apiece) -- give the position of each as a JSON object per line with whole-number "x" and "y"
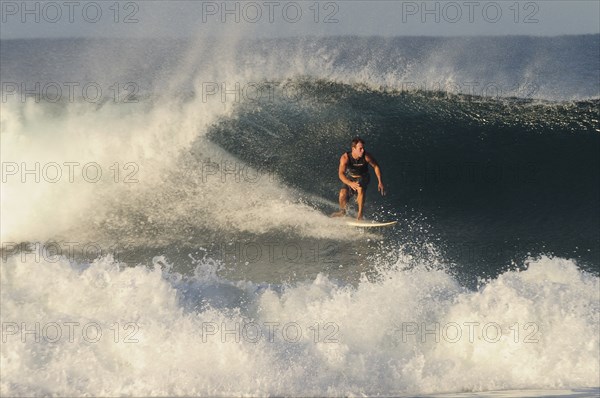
{"x": 354, "y": 173}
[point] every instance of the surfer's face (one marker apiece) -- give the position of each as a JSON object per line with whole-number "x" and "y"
{"x": 358, "y": 150}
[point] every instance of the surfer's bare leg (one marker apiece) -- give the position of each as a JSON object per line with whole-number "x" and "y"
{"x": 343, "y": 203}
{"x": 360, "y": 200}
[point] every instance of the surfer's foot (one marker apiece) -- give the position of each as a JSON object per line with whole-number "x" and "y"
{"x": 340, "y": 213}
{"x": 359, "y": 217}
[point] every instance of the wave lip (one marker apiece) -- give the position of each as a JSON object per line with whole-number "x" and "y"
{"x": 559, "y": 68}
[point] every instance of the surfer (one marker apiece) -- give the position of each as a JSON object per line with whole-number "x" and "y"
{"x": 354, "y": 173}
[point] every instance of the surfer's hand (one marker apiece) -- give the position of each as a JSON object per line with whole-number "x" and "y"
{"x": 381, "y": 189}
{"x": 354, "y": 185}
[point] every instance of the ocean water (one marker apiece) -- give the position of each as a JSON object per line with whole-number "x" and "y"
{"x": 165, "y": 225}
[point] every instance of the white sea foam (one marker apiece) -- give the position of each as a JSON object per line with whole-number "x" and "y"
{"x": 413, "y": 331}
{"x": 78, "y": 172}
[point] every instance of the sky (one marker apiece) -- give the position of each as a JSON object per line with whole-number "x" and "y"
{"x": 263, "y": 19}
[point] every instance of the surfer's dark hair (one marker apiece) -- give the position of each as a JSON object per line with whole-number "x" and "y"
{"x": 357, "y": 140}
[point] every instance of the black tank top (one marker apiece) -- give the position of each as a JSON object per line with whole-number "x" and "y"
{"x": 357, "y": 167}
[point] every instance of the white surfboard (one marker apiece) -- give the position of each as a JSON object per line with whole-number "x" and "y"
{"x": 370, "y": 224}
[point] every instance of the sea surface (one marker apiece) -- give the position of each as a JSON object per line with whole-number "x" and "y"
{"x": 165, "y": 217}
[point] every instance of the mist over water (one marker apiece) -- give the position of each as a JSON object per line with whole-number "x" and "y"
{"x": 184, "y": 216}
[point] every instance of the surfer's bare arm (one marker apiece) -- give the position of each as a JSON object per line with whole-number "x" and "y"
{"x": 371, "y": 160}
{"x": 342, "y": 173}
